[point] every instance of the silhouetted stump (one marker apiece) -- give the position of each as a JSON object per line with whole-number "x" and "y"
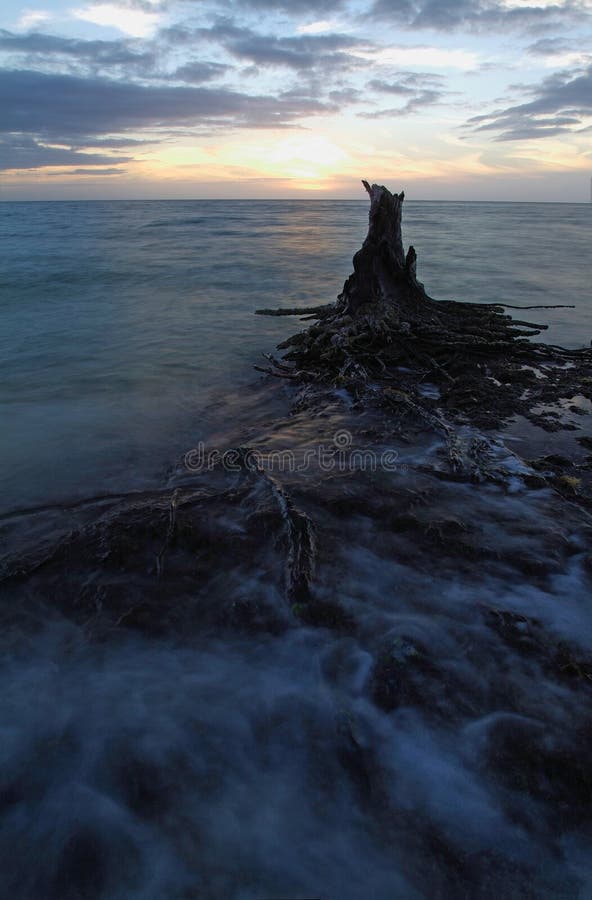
{"x": 384, "y": 320}
{"x": 382, "y": 271}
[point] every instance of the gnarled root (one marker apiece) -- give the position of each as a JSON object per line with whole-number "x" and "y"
{"x": 384, "y": 321}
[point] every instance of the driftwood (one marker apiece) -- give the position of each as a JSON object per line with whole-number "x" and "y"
{"x": 384, "y": 320}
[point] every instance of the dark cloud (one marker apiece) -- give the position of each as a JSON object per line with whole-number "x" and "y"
{"x": 558, "y": 105}
{"x": 345, "y": 96}
{"x": 549, "y": 47}
{"x": 114, "y": 143}
{"x": 450, "y": 15}
{"x": 319, "y": 9}
{"x": 300, "y": 52}
{"x": 292, "y": 7}
{"x": 414, "y": 105}
{"x": 421, "y": 89}
{"x": 111, "y": 171}
{"x": 24, "y": 152}
{"x": 123, "y": 58}
{"x": 40, "y": 46}
{"x": 70, "y": 109}
{"x": 406, "y": 83}
{"x": 555, "y": 51}
{"x": 198, "y": 72}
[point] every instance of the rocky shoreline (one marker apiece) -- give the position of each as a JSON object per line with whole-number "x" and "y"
{"x": 439, "y": 604}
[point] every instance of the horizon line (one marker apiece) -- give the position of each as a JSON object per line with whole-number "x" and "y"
{"x": 272, "y": 200}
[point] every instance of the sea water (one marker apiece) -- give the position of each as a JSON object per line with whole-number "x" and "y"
{"x": 430, "y": 738}
{"x": 128, "y": 330}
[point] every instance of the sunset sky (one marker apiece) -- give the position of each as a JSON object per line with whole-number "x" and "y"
{"x": 450, "y": 99}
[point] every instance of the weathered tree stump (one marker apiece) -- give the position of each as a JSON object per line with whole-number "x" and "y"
{"x": 382, "y": 272}
{"x": 384, "y": 319}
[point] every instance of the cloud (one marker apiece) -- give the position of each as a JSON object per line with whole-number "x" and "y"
{"x": 318, "y": 27}
{"x": 415, "y": 105}
{"x": 451, "y": 15}
{"x": 559, "y": 104}
{"x": 24, "y": 152}
{"x": 420, "y": 89}
{"x": 199, "y": 72}
{"x": 301, "y": 52}
{"x": 112, "y": 143}
{"x": 292, "y": 7}
{"x": 429, "y": 57}
{"x": 548, "y": 47}
{"x": 134, "y": 21}
{"x": 406, "y": 83}
{"x": 111, "y": 171}
{"x": 38, "y": 47}
{"x": 69, "y": 108}
{"x": 33, "y": 17}
{"x": 558, "y": 52}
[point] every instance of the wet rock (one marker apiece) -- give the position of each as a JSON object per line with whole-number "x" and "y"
{"x": 325, "y": 614}
{"x": 572, "y": 664}
{"x": 148, "y": 787}
{"x": 534, "y": 482}
{"x": 527, "y": 756}
{"x": 403, "y": 675}
{"x": 253, "y": 615}
{"x": 135, "y": 565}
{"x": 90, "y": 863}
{"x": 530, "y": 639}
{"x": 553, "y": 462}
{"x": 516, "y": 630}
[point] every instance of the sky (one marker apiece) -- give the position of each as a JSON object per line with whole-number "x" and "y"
{"x": 448, "y": 99}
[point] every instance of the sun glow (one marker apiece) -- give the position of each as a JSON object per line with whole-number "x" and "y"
{"x": 308, "y": 157}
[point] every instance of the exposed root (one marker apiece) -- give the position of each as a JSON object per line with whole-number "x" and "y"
{"x": 170, "y": 533}
{"x": 383, "y": 320}
{"x": 293, "y": 311}
{"x": 300, "y": 536}
{"x": 301, "y": 543}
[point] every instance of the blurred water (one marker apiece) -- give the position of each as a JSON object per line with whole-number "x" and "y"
{"x": 193, "y": 734}
{"x": 128, "y": 330}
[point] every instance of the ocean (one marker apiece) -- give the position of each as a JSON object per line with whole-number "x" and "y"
{"x": 128, "y": 329}
{"x": 176, "y": 721}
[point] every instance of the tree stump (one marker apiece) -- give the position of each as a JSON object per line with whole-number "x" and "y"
{"x": 383, "y": 273}
{"x": 384, "y": 320}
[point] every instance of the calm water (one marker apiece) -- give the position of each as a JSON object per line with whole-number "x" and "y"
{"x": 128, "y": 330}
